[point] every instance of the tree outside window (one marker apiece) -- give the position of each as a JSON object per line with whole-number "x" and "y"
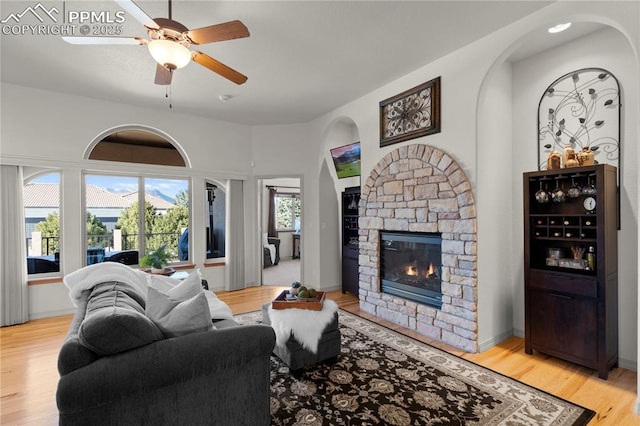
{"x": 287, "y": 212}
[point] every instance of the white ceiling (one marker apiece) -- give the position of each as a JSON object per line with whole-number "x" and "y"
{"x": 303, "y": 58}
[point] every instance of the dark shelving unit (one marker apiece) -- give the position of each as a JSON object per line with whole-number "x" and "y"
{"x": 571, "y": 305}
{"x": 350, "y": 203}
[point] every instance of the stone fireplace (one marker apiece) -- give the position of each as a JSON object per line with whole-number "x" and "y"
{"x": 416, "y": 190}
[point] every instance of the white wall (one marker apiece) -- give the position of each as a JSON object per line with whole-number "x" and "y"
{"x": 606, "y": 49}
{"x": 496, "y": 262}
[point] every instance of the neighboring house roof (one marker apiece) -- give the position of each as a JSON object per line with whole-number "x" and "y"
{"x": 156, "y": 202}
{"x": 100, "y": 197}
{"x": 41, "y": 195}
{"x": 47, "y": 195}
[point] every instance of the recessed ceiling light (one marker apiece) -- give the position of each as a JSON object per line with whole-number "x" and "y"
{"x": 560, "y": 27}
{"x": 224, "y": 98}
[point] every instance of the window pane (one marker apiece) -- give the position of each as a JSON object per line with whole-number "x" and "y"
{"x": 111, "y": 219}
{"x": 42, "y": 223}
{"x": 296, "y": 213}
{"x": 287, "y": 212}
{"x": 167, "y": 214}
{"x": 215, "y": 205}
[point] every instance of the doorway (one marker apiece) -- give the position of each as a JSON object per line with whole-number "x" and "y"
{"x": 280, "y": 201}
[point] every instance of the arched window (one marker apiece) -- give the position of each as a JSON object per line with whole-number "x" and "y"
{"x": 137, "y": 146}
{"x": 130, "y": 215}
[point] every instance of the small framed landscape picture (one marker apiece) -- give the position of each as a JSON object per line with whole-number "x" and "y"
{"x": 346, "y": 159}
{"x": 411, "y": 114}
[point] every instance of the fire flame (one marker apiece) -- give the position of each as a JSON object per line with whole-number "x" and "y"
{"x": 431, "y": 271}
{"x": 413, "y": 271}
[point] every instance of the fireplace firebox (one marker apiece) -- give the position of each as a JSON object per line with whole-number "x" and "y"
{"x": 411, "y": 266}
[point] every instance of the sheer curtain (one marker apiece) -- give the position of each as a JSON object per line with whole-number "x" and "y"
{"x": 235, "y": 252}
{"x": 14, "y": 295}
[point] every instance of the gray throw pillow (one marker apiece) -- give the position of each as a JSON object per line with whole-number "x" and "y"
{"x": 115, "y": 321}
{"x": 180, "y": 310}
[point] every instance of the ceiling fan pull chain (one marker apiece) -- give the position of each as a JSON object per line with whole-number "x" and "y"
{"x": 167, "y": 94}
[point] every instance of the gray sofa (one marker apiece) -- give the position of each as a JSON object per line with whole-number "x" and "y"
{"x": 216, "y": 377}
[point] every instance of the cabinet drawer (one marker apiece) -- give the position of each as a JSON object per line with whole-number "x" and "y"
{"x": 565, "y": 283}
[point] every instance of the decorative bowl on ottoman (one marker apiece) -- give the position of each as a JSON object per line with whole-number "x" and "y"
{"x": 285, "y": 301}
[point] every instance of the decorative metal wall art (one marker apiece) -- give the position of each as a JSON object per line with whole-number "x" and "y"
{"x": 581, "y": 109}
{"x": 411, "y": 114}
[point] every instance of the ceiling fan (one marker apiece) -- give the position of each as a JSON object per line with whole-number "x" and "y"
{"x": 170, "y": 41}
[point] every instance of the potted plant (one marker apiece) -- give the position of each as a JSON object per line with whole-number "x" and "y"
{"x": 157, "y": 259}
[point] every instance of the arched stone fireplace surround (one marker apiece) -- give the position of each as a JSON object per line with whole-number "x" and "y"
{"x": 419, "y": 188}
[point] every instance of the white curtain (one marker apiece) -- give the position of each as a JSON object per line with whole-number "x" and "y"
{"x": 14, "y": 295}
{"x": 235, "y": 251}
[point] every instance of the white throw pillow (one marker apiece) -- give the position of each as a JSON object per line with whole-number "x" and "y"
{"x": 180, "y": 310}
{"x": 265, "y": 239}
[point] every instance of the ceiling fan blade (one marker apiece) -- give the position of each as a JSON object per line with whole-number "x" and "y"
{"x": 218, "y": 67}
{"x": 135, "y": 11}
{"x": 219, "y": 32}
{"x": 163, "y": 75}
{"x": 137, "y": 41}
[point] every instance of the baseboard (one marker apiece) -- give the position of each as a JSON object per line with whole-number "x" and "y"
{"x": 495, "y": 341}
{"x": 628, "y": 364}
{"x": 331, "y": 288}
{"x": 50, "y": 314}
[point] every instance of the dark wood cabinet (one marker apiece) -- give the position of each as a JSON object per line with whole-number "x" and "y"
{"x": 350, "y": 203}
{"x": 571, "y": 264}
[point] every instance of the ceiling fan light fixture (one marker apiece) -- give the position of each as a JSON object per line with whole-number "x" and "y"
{"x": 169, "y": 54}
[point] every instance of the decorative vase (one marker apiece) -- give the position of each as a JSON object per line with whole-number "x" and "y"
{"x": 571, "y": 162}
{"x": 567, "y": 154}
{"x": 586, "y": 157}
{"x": 553, "y": 161}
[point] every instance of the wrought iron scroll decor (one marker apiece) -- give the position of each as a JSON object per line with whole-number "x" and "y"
{"x": 581, "y": 109}
{"x": 411, "y": 114}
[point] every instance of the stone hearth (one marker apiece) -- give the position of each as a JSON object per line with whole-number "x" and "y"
{"x": 419, "y": 188}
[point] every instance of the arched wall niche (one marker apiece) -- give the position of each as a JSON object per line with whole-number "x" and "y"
{"x": 506, "y": 116}
{"x": 137, "y": 144}
{"x": 339, "y": 132}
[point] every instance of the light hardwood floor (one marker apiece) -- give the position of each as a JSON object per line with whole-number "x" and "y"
{"x": 29, "y": 375}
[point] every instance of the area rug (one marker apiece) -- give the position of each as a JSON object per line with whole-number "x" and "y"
{"x": 385, "y": 378}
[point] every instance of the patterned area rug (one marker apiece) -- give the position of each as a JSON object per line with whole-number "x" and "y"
{"x": 385, "y": 378}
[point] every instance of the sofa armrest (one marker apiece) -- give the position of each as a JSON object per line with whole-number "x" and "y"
{"x": 167, "y": 363}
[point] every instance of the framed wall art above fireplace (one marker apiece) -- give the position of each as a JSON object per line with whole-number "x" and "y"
{"x": 411, "y": 114}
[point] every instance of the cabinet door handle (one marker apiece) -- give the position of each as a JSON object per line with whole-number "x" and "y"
{"x": 561, "y": 296}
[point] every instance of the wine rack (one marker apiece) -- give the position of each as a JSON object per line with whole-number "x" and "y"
{"x": 570, "y": 261}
